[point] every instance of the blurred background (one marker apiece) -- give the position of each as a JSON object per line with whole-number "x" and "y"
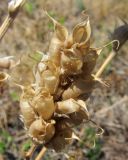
{"x": 108, "y": 106}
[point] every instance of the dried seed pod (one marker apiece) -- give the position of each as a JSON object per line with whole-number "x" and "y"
{"x": 82, "y": 32}
{"x": 81, "y": 115}
{"x": 28, "y": 113}
{"x": 26, "y": 109}
{"x": 90, "y": 60}
{"x": 3, "y": 77}
{"x": 63, "y": 123}
{"x": 28, "y": 92}
{"x": 41, "y": 131}
{"x": 57, "y": 42}
{"x": 80, "y": 87}
{"x": 14, "y": 6}
{"x": 61, "y": 139}
{"x": 43, "y": 104}
{"x": 67, "y": 107}
{"x": 50, "y": 78}
{"x": 39, "y": 69}
{"x": 7, "y": 62}
{"x": 71, "y": 62}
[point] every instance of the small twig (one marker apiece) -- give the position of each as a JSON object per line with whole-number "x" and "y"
{"x": 30, "y": 152}
{"x": 41, "y": 154}
{"x": 13, "y": 9}
{"x": 106, "y": 62}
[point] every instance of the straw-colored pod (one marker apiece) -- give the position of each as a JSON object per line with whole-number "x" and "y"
{"x": 43, "y": 104}
{"x": 27, "y": 110}
{"x": 41, "y": 131}
{"x": 67, "y": 106}
{"x": 50, "y": 78}
{"x": 3, "y": 78}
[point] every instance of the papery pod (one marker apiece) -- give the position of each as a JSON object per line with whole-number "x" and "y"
{"x": 28, "y": 92}
{"x": 57, "y": 42}
{"x": 3, "y": 78}
{"x": 81, "y": 115}
{"x": 50, "y": 78}
{"x": 71, "y": 63}
{"x": 43, "y": 104}
{"x": 26, "y": 109}
{"x": 41, "y": 131}
{"x": 80, "y": 87}
{"x": 27, "y": 112}
{"x": 63, "y": 123}
{"x": 39, "y": 69}
{"x": 90, "y": 61}
{"x": 82, "y": 49}
{"x": 67, "y": 107}
{"x": 61, "y": 139}
{"x": 8, "y": 62}
{"x": 82, "y": 32}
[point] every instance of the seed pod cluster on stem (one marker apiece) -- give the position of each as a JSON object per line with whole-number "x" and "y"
{"x": 56, "y": 102}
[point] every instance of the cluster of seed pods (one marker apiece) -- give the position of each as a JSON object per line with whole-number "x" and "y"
{"x": 56, "y": 102}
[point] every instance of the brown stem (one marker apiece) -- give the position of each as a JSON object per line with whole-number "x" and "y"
{"x": 41, "y": 154}
{"x": 106, "y": 62}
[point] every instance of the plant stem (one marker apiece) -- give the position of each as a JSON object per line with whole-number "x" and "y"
{"x": 30, "y": 152}
{"x": 9, "y": 20}
{"x": 41, "y": 154}
{"x": 3, "y": 29}
{"x": 106, "y": 62}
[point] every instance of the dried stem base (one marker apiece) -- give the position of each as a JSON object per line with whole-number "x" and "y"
{"x": 41, "y": 154}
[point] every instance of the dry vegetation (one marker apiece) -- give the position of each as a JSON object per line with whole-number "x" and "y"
{"x": 108, "y": 106}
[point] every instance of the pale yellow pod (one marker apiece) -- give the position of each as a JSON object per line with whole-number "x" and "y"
{"x": 49, "y": 78}
{"x": 50, "y": 81}
{"x": 28, "y": 92}
{"x": 55, "y": 50}
{"x": 67, "y": 107}
{"x": 26, "y": 109}
{"x": 41, "y": 131}
{"x": 57, "y": 42}
{"x": 44, "y": 105}
{"x": 28, "y": 113}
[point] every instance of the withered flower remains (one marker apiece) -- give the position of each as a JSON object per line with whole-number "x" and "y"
{"x": 56, "y": 102}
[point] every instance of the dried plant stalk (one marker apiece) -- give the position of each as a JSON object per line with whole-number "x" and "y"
{"x": 41, "y": 154}
{"x": 30, "y": 152}
{"x": 13, "y": 9}
{"x": 106, "y": 62}
{"x": 56, "y": 103}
